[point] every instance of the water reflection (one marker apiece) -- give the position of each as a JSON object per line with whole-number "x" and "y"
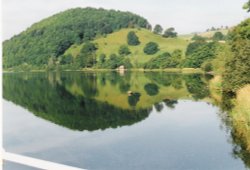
{"x": 93, "y": 101}
{"x": 239, "y": 126}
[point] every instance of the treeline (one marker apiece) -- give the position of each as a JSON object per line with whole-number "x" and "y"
{"x": 199, "y": 54}
{"x": 51, "y": 37}
{"x": 217, "y": 29}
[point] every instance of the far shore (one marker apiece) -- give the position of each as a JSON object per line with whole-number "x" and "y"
{"x": 169, "y": 70}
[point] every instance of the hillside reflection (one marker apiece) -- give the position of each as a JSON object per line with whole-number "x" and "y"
{"x": 92, "y": 101}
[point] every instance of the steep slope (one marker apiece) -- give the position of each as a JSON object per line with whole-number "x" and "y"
{"x": 50, "y": 37}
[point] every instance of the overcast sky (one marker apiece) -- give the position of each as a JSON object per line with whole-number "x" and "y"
{"x": 185, "y": 15}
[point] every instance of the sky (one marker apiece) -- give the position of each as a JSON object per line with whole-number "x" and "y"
{"x": 185, "y": 16}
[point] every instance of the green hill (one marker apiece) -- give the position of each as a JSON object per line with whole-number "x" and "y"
{"x": 83, "y": 38}
{"x": 112, "y": 42}
{"x": 51, "y": 37}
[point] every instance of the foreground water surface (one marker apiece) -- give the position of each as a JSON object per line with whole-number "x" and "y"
{"x": 119, "y": 121}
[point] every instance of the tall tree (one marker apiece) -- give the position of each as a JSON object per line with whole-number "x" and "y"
{"x": 158, "y": 29}
{"x": 170, "y": 33}
{"x": 132, "y": 39}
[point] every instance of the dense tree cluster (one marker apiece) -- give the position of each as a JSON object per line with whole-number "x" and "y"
{"x": 114, "y": 61}
{"x": 199, "y": 52}
{"x": 87, "y": 56}
{"x": 53, "y": 36}
{"x": 165, "y": 60}
{"x": 237, "y": 72}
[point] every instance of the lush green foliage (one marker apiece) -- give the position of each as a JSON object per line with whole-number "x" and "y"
{"x": 132, "y": 39}
{"x": 151, "y": 48}
{"x": 124, "y": 50}
{"x": 51, "y": 100}
{"x": 87, "y": 57}
{"x": 151, "y": 89}
{"x": 218, "y": 36}
{"x": 207, "y": 66}
{"x": 158, "y": 29}
{"x": 115, "y": 61}
{"x": 53, "y": 36}
{"x": 133, "y": 99}
{"x": 237, "y": 72}
{"x": 170, "y": 33}
{"x": 165, "y": 60}
{"x": 192, "y": 47}
{"x": 197, "y": 53}
{"x": 102, "y": 58}
{"x": 66, "y": 59}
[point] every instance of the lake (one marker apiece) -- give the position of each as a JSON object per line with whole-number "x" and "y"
{"x": 110, "y": 121}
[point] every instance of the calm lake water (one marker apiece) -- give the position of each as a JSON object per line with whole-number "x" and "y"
{"x": 112, "y": 121}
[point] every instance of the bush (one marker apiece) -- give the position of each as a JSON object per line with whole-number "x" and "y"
{"x": 218, "y": 36}
{"x": 102, "y": 58}
{"x": 160, "y": 61}
{"x": 124, "y": 50}
{"x": 132, "y": 39}
{"x": 151, "y": 89}
{"x": 198, "y": 38}
{"x": 66, "y": 59}
{"x": 201, "y": 54}
{"x": 207, "y": 67}
{"x": 151, "y": 48}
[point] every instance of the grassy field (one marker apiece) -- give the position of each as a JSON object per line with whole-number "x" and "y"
{"x": 111, "y": 43}
{"x": 208, "y": 34}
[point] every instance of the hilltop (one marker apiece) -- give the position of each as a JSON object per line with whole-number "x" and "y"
{"x": 89, "y": 38}
{"x": 51, "y": 37}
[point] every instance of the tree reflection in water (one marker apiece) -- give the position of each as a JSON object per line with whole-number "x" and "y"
{"x": 92, "y": 101}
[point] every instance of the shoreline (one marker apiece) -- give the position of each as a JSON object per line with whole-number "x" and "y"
{"x": 167, "y": 70}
